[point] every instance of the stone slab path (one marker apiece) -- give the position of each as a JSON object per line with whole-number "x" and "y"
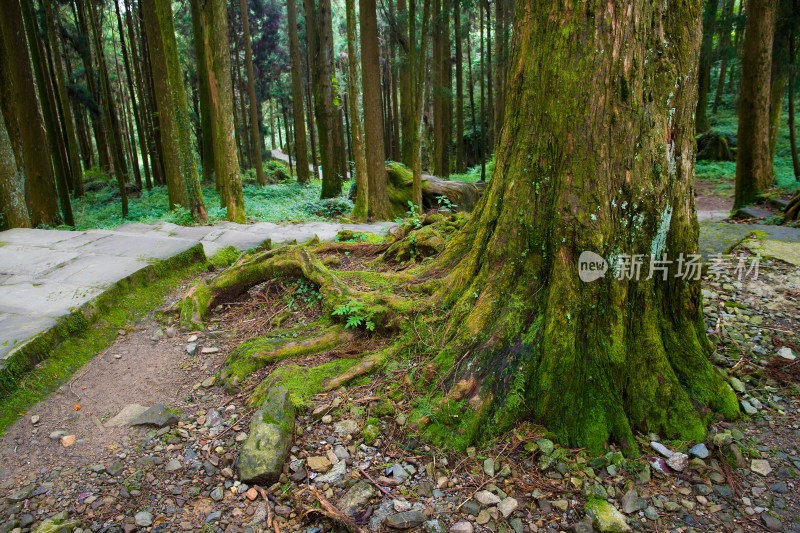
{"x": 45, "y": 274}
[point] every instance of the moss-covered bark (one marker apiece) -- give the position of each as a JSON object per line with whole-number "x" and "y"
{"x": 12, "y": 195}
{"x": 210, "y": 17}
{"x": 23, "y": 120}
{"x": 596, "y": 154}
{"x": 753, "y": 163}
{"x": 174, "y": 125}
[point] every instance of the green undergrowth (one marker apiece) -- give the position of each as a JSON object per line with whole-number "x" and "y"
{"x": 474, "y": 174}
{"x": 723, "y": 173}
{"x": 116, "y": 310}
{"x": 100, "y": 207}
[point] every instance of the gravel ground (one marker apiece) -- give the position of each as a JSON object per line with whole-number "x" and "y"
{"x": 62, "y": 467}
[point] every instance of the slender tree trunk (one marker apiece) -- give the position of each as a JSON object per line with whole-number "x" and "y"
{"x": 199, "y": 27}
{"x": 47, "y": 101}
{"x": 288, "y": 137}
{"x": 491, "y": 137}
{"x": 69, "y": 125}
{"x": 441, "y": 88}
{"x": 592, "y": 362}
{"x": 786, "y": 19}
{"x": 791, "y": 112}
{"x": 408, "y": 46}
{"x": 297, "y": 95}
{"x": 148, "y": 88}
{"x": 310, "y": 119}
{"x": 320, "y": 49}
{"x": 484, "y": 143}
{"x": 471, "y": 91}
{"x": 183, "y": 183}
{"x": 126, "y": 136}
{"x": 724, "y": 49}
{"x": 459, "y": 104}
{"x": 418, "y": 61}
{"x": 109, "y": 111}
{"x": 361, "y": 207}
{"x": 129, "y": 52}
{"x": 251, "y": 91}
{"x": 12, "y": 191}
{"x": 271, "y": 124}
{"x": 753, "y": 163}
{"x": 378, "y": 206}
{"x": 210, "y": 19}
{"x": 704, "y": 69}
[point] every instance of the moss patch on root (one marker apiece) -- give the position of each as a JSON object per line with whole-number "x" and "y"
{"x": 303, "y": 383}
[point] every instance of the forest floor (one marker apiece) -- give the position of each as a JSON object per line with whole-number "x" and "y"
{"x": 68, "y": 461}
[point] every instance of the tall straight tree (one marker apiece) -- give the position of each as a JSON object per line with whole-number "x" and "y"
{"x": 76, "y": 173}
{"x": 441, "y": 88}
{"x": 704, "y": 67}
{"x": 459, "y": 103}
{"x": 109, "y": 107}
{"x": 210, "y": 19}
{"x": 204, "y": 96}
{"x": 130, "y": 82}
{"x": 49, "y": 113}
{"x": 255, "y": 133}
{"x": 297, "y": 94}
{"x": 12, "y": 191}
{"x": 591, "y": 361}
{"x": 319, "y": 36}
{"x": 378, "y": 206}
{"x": 417, "y": 60}
{"x": 180, "y": 172}
{"x": 22, "y": 118}
{"x": 360, "y": 209}
{"x": 724, "y": 51}
{"x": 753, "y": 162}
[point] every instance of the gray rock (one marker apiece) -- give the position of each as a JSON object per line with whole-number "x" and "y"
{"x": 489, "y": 466}
{"x": 631, "y": 502}
{"x": 507, "y": 506}
{"x": 335, "y": 476}
{"x": 217, "y": 494}
{"x": 345, "y": 427}
{"x": 748, "y": 407}
{"x": 486, "y": 498}
{"x": 20, "y": 495}
{"x": 462, "y": 527}
{"x": 264, "y": 452}
{"x": 678, "y": 461}
{"x": 173, "y": 465}
{"x": 158, "y": 415}
{"x": 699, "y": 450}
{"x": 584, "y": 526}
{"x": 191, "y": 348}
{"x": 143, "y": 519}
{"x": 760, "y": 466}
{"x": 356, "y": 498}
{"x": 433, "y": 526}
{"x": 405, "y": 520}
{"x": 471, "y": 507}
{"x": 772, "y": 522}
{"x": 213, "y": 517}
{"x": 260, "y": 516}
{"x": 660, "y": 448}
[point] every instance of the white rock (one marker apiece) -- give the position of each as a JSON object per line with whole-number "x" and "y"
{"x": 485, "y": 497}
{"x": 35, "y": 419}
{"x": 462, "y": 527}
{"x": 786, "y": 353}
{"x": 760, "y": 466}
{"x": 507, "y": 506}
{"x": 678, "y": 461}
{"x": 660, "y": 448}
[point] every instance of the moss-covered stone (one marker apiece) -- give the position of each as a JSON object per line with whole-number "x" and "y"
{"x": 605, "y": 517}
{"x": 271, "y": 428}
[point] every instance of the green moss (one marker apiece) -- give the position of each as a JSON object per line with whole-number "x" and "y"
{"x": 83, "y": 334}
{"x": 303, "y": 383}
{"x": 225, "y": 257}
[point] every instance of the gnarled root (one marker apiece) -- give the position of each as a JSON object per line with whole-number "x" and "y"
{"x": 384, "y": 309}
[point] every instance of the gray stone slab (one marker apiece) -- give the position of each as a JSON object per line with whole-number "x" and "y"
{"x": 34, "y": 237}
{"x": 138, "y": 246}
{"x": 95, "y": 270}
{"x": 240, "y": 240}
{"x": 712, "y": 216}
{"x": 720, "y": 238}
{"x": 45, "y": 299}
{"x": 16, "y": 329}
{"x": 185, "y": 232}
{"x": 137, "y": 228}
{"x": 16, "y": 259}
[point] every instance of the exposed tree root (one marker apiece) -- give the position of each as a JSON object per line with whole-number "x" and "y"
{"x": 384, "y": 309}
{"x": 792, "y": 212}
{"x": 368, "y": 364}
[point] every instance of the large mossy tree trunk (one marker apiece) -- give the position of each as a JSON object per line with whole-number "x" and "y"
{"x": 596, "y": 154}
{"x": 297, "y": 95}
{"x": 753, "y": 162}
{"x": 357, "y": 139}
{"x": 211, "y": 23}
{"x": 12, "y": 193}
{"x": 23, "y": 120}
{"x": 174, "y": 125}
